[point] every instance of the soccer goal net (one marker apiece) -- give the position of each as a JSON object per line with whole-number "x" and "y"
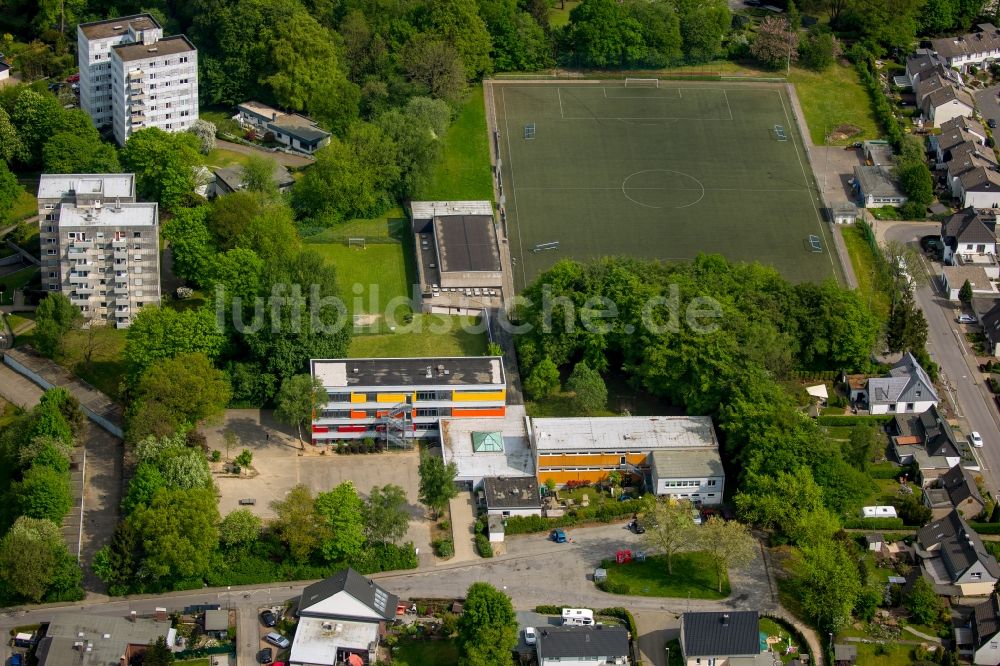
{"x": 356, "y": 242}
{"x": 641, "y": 83}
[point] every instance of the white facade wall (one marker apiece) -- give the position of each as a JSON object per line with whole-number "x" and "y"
{"x": 981, "y": 199}
{"x": 94, "y": 59}
{"x": 903, "y": 407}
{"x": 708, "y": 490}
{"x": 989, "y": 654}
{"x": 583, "y": 661}
{"x": 158, "y": 91}
{"x": 949, "y": 111}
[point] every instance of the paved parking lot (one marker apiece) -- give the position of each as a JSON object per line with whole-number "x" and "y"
{"x": 281, "y": 463}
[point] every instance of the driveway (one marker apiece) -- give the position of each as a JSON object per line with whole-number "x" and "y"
{"x": 947, "y": 345}
{"x": 986, "y": 103}
{"x": 280, "y": 463}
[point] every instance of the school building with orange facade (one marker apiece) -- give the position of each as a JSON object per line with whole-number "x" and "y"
{"x": 367, "y": 395}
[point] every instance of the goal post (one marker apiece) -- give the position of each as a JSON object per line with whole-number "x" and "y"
{"x": 356, "y": 242}
{"x": 631, "y": 82}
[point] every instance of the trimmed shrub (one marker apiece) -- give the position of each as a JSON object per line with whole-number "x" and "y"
{"x": 605, "y": 512}
{"x": 550, "y": 609}
{"x": 613, "y": 587}
{"x": 986, "y": 528}
{"x": 874, "y": 524}
{"x": 483, "y": 546}
{"x": 832, "y": 420}
{"x": 443, "y": 547}
{"x": 622, "y": 614}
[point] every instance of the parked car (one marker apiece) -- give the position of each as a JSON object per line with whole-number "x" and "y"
{"x": 976, "y": 439}
{"x": 268, "y": 619}
{"x": 966, "y": 319}
{"x": 265, "y": 656}
{"x": 696, "y": 516}
{"x": 991, "y": 123}
{"x": 276, "y": 639}
{"x": 530, "y": 636}
{"x": 559, "y": 536}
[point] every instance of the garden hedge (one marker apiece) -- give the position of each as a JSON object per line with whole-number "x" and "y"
{"x": 605, "y": 512}
{"x": 831, "y": 420}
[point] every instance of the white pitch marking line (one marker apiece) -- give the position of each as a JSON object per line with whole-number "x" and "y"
{"x": 726, "y": 97}
{"x": 561, "y": 115}
{"x": 513, "y": 188}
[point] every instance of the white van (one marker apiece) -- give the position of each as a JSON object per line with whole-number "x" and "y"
{"x": 578, "y": 617}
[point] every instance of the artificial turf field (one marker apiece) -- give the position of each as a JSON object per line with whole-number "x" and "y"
{"x": 659, "y": 172}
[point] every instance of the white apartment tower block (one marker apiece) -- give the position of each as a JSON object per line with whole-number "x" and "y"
{"x": 132, "y": 77}
{"x": 99, "y": 246}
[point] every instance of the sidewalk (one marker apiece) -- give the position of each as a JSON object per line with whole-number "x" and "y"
{"x": 462, "y": 519}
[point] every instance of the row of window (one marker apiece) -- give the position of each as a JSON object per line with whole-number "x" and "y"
{"x": 422, "y": 396}
{"x": 373, "y": 413}
{"x": 687, "y": 483}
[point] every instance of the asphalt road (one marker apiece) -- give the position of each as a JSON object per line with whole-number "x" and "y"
{"x": 987, "y": 103}
{"x": 535, "y": 571}
{"x": 947, "y": 345}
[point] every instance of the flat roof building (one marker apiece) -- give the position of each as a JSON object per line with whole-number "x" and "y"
{"x": 132, "y": 77}
{"x": 588, "y": 449}
{"x": 99, "y": 245}
{"x": 512, "y": 496}
{"x": 373, "y": 395}
{"x": 291, "y": 129}
{"x": 85, "y": 639}
{"x": 458, "y": 254}
{"x": 497, "y": 447}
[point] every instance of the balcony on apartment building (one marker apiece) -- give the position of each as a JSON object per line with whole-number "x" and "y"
{"x": 119, "y": 242}
{"x": 121, "y": 254}
{"x": 121, "y": 288}
{"x": 81, "y": 243}
{"x": 77, "y": 277}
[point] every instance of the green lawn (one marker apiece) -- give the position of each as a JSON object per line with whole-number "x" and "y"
{"x": 14, "y": 281}
{"x": 425, "y": 653}
{"x": 559, "y": 14}
{"x": 392, "y": 225}
{"x": 106, "y": 367}
{"x": 831, "y": 98}
{"x": 693, "y": 577}
{"x": 429, "y": 335}
{"x": 220, "y": 157}
{"x": 371, "y": 277}
{"x": 25, "y": 206}
{"x": 863, "y": 263}
{"x": 464, "y": 170}
{"x": 194, "y": 662}
{"x": 895, "y": 655}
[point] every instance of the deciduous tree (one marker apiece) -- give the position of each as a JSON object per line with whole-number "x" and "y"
{"x": 543, "y": 381}
{"x": 828, "y": 584}
{"x": 258, "y": 175}
{"x": 437, "y": 482}
{"x": 43, "y": 492}
{"x": 669, "y": 526}
{"x": 187, "y": 386}
{"x": 487, "y": 628}
{"x": 385, "y": 516}
{"x": 35, "y": 565}
{"x": 775, "y": 43}
{"x": 298, "y": 524}
{"x": 343, "y": 512}
{"x": 10, "y": 190}
{"x": 71, "y": 152}
{"x": 298, "y": 399}
{"x": 727, "y": 545}
{"x": 158, "y": 333}
{"x": 588, "y": 387}
{"x": 436, "y": 65}
{"x": 55, "y": 316}
{"x": 163, "y": 164}
{"x": 239, "y": 528}
{"x": 179, "y": 532}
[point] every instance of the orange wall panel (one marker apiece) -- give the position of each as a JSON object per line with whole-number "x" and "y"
{"x": 357, "y": 413}
{"x": 494, "y": 411}
{"x": 561, "y": 478}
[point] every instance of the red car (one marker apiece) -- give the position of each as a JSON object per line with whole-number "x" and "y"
{"x": 75, "y": 78}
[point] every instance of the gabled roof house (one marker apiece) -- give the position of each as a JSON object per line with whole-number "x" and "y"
{"x": 969, "y": 232}
{"x": 954, "y": 558}
{"x": 927, "y": 440}
{"x": 906, "y": 389}
{"x": 722, "y": 638}
{"x": 341, "y": 617}
{"x": 955, "y": 490}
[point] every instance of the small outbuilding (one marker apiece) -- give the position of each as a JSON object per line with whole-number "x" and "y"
{"x": 845, "y": 212}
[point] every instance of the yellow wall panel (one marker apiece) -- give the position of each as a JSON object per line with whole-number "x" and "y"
{"x": 478, "y": 396}
{"x": 394, "y": 398}
{"x": 359, "y": 397}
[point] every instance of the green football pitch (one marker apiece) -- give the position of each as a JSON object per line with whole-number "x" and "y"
{"x": 667, "y": 172}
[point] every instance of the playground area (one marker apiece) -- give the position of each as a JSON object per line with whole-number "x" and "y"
{"x": 656, "y": 169}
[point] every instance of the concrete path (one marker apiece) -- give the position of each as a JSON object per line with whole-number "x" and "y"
{"x": 463, "y": 518}
{"x": 920, "y": 634}
{"x": 17, "y": 389}
{"x": 282, "y": 158}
